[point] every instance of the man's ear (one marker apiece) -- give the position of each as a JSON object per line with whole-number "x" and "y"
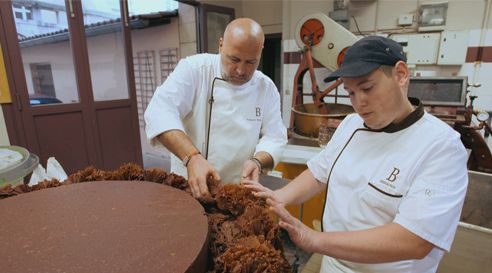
{"x": 221, "y": 43}
{"x": 402, "y": 72}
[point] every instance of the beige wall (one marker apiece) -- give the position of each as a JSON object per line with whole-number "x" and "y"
{"x": 237, "y": 5}
{"x": 489, "y": 20}
{"x": 4, "y": 138}
{"x": 267, "y": 13}
{"x": 187, "y": 30}
{"x": 365, "y": 15}
{"x": 465, "y": 14}
{"x": 293, "y": 11}
{"x": 156, "y": 38}
{"x": 382, "y": 15}
{"x": 386, "y": 18}
{"x": 371, "y": 15}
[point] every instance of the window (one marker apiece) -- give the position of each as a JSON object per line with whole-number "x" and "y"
{"x": 22, "y": 12}
{"x": 42, "y": 79}
{"x": 213, "y": 21}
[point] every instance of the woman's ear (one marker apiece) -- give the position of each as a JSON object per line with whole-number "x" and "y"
{"x": 402, "y": 72}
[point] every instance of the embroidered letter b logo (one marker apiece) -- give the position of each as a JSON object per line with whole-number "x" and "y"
{"x": 258, "y": 111}
{"x": 392, "y": 176}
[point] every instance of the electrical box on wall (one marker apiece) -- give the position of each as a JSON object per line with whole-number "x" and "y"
{"x": 405, "y": 19}
{"x": 432, "y": 16}
{"x": 419, "y": 48}
{"x": 453, "y": 47}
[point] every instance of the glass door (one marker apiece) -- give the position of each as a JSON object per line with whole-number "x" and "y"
{"x": 106, "y": 49}
{"x": 213, "y": 21}
{"x": 72, "y": 95}
{"x": 45, "y": 46}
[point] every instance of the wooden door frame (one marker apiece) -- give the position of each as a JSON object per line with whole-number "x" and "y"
{"x": 203, "y": 9}
{"x": 268, "y": 37}
{"x": 15, "y": 133}
{"x": 20, "y": 112}
{"x": 18, "y": 115}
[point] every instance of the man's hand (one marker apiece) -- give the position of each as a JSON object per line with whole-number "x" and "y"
{"x": 198, "y": 171}
{"x": 250, "y": 171}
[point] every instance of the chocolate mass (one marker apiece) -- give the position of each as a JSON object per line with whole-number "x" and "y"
{"x": 109, "y": 226}
{"x": 135, "y": 226}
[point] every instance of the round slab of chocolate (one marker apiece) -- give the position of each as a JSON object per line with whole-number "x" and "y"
{"x": 105, "y": 226}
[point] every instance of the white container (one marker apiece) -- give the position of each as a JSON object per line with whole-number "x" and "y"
{"x": 15, "y": 174}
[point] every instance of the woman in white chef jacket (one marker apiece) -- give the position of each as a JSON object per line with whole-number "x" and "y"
{"x": 395, "y": 176}
{"x": 217, "y": 114}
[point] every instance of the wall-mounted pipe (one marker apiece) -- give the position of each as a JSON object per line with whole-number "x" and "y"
{"x": 483, "y": 34}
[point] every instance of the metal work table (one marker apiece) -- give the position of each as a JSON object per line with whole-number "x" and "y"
{"x": 300, "y": 150}
{"x": 297, "y": 151}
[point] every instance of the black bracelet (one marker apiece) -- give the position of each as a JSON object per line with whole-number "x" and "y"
{"x": 187, "y": 158}
{"x": 258, "y": 163}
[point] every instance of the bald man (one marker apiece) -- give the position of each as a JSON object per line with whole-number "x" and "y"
{"x": 217, "y": 114}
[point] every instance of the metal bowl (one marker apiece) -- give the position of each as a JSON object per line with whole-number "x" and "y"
{"x": 307, "y": 117}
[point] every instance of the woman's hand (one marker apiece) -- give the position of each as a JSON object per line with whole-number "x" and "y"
{"x": 300, "y": 234}
{"x": 303, "y": 236}
{"x": 259, "y": 190}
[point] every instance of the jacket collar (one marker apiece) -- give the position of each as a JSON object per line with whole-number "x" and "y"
{"x": 406, "y": 122}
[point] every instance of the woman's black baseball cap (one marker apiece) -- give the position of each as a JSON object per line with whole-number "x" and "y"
{"x": 366, "y": 55}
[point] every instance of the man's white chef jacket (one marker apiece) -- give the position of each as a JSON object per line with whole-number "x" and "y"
{"x": 245, "y": 119}
{"x": 414, "y": 175}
